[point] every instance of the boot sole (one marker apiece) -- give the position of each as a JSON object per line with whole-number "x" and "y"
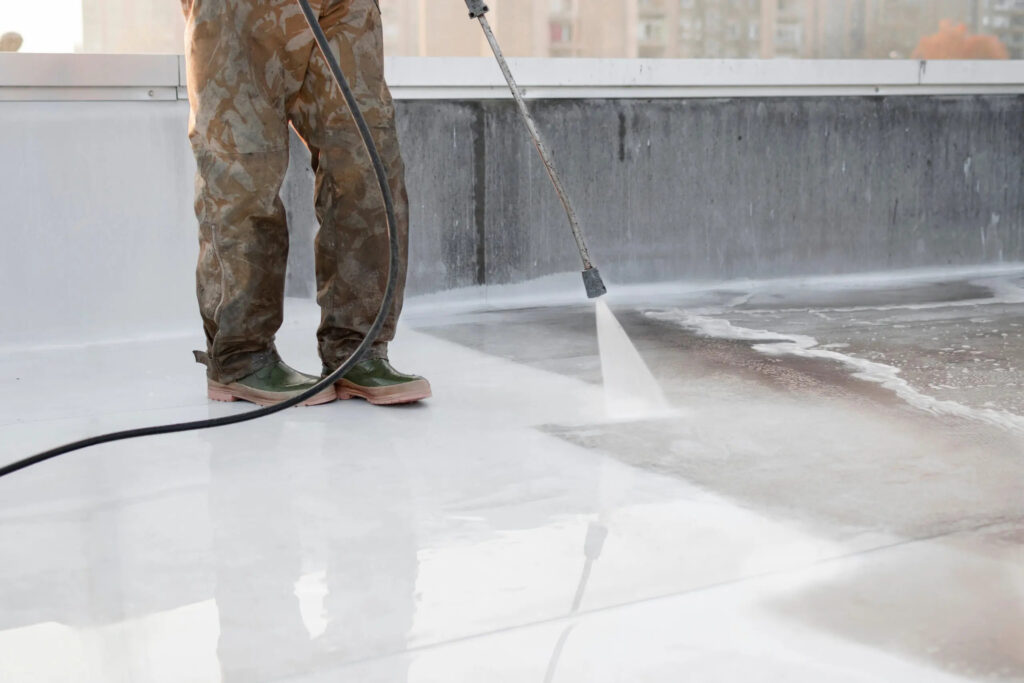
{"x": 231, "y": 393}
{"x": 413, "y": 392}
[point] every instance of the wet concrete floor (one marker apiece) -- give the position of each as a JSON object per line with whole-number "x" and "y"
{"x": 840, "y": 454}
{"x": 837, "y": 496}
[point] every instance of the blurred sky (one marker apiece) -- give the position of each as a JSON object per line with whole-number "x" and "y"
{"x": 57, "y": 29}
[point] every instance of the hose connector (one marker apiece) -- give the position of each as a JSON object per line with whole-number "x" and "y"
{"x": 477, "y": 8}
{"x": 594, "y": 284}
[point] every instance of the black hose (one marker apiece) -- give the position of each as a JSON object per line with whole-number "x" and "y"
{"x": 371, "y": 335}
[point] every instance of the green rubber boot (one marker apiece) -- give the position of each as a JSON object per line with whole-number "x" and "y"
{"x": 270, "y": 386}
{"x": 380, "y": 384}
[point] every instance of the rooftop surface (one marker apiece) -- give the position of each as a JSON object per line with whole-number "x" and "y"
{"x": 836, "y": 497}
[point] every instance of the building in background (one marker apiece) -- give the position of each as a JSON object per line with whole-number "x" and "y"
{"x": 527, "y": 28}
{"x": 1005, "y": 20}
{"x": 133, "y": 26}
{"x": 832, "y": 29}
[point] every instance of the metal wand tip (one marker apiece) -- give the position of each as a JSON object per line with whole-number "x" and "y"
{"x": 594, "y": 284}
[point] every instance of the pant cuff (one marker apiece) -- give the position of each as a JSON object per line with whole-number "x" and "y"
{"x": 234, "y": 367}
{"x": 335, "y": 357}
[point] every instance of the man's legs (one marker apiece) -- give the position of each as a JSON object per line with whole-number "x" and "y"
{"x": 240, "y": 73}
{"x": 352, "y": 245}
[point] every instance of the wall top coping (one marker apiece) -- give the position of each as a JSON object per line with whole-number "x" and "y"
{"x": 162, "y": 77}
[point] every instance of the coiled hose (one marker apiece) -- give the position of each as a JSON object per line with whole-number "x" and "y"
{"x": 371, "y": 336}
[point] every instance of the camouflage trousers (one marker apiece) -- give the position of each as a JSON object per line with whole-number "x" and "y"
{"x": 253, "y": 68}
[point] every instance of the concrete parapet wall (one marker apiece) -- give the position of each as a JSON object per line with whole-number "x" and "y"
{"x": 708, "y": 188}
{"x": 97, "y": 180}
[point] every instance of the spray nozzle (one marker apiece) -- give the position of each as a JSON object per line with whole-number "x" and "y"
{"x": 594, "y": 284}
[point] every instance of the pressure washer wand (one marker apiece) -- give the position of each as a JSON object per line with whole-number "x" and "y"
{"x": 591, "y": 277}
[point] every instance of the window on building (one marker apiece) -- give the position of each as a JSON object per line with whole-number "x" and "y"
{"x": 651, "y": 31}
{"x": 560, "y": 32}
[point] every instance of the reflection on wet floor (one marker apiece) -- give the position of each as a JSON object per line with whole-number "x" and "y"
{"x": 957, "y": 603}
{"x": 790, "y": 521}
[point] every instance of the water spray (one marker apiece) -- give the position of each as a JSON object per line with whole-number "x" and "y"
{"x": 592, "y": 281}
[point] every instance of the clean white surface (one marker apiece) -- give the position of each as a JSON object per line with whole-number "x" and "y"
{"x": 98, "y": 227}
{"x": 447, "y": 542}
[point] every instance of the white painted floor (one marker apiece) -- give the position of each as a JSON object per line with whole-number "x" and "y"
{"x": 506, "y": 531}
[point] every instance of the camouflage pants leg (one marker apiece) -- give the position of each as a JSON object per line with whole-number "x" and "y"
{"x": 240, "y": 75}
{"x": 252, "y": 68}
{"x": 352, "y": 245}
